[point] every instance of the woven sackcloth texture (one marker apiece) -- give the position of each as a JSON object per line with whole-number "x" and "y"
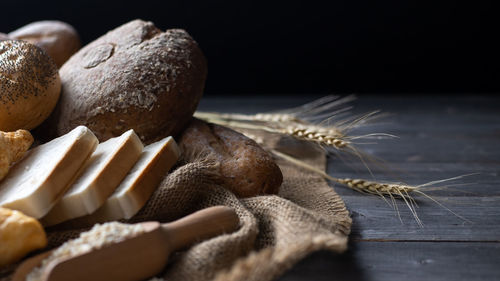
{"x": 276, "y": 231}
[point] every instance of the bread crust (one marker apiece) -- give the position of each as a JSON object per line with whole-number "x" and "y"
{"x": 29, "y": 85}
{"x": 13, "y": 146}
{"x": 245, "y": 168}
{"x": 133, "y": 77}
{"x": 58, "y": 39}
{"x": 19, "y": 235}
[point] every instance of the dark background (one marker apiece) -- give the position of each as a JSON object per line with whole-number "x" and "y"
{"x": 310, "y": 47}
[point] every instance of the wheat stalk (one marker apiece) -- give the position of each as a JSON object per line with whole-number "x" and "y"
{"x": 322, "y": 108}
{"x": 297, "y": 122}
{"x": 360, "y": 185}
{"x": 391, "y": 190}
{"x": 326, "y": 136}
{"x": 316, "y": 122}
{"x": 259, "y": 117}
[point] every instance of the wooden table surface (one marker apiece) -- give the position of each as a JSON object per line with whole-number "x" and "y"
{"x": 439, "y": 137}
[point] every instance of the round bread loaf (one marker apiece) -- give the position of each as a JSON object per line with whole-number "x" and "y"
{"x": 245, "y": 168}
{"x": 29, "y": 85}
{"x": 133, "y": 77}
{"x": 58, "y": 39}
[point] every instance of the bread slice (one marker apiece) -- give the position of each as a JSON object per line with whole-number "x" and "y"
{"x": 36, "y": 182}
{"x": 133, "y": 192}
{"x": 98, "y": 178}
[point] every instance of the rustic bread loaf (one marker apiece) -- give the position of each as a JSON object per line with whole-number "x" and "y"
{"x": 246, "y": 169}
{"x": 29, "y": 85}
{"x": 134, "y": 77}
{"x": 58, "y": 39}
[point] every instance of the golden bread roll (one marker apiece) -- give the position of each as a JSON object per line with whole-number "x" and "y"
{"x": 29, "y": 85}
{"x": 13, "y": 146}
{"x": 19, "y": 235}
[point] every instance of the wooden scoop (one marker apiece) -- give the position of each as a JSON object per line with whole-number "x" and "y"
{"x": 136, "y": 258}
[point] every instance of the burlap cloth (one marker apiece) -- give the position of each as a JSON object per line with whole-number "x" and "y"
{"x": 275, "y": 231}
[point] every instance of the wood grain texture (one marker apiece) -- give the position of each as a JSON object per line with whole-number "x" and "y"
{"x": 439, "y": 137}
{"x": 407, "y": 261}
{"x": 375, "y": 220}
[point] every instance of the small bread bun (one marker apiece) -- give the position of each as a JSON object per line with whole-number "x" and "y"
{"x": 58, "y": 39}
{"x": 29, "y": 85}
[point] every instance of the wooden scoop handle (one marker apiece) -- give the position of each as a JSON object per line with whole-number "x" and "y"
{"x": 201, "y": 225}
{"x": 139, "y": 257}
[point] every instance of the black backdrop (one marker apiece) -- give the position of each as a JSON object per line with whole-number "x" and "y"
{"x": 310, "y": 47}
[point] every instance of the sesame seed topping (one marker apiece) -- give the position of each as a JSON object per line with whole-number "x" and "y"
{"x": 25, "y": 70}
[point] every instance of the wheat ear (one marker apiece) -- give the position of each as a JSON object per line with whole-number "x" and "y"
{"x": 375, "y": 187}
{"x": 391, "y": 190}
{"x": 330, "y": 137}
{"x": 323, "y": 136}
{"x": 370, "y": 187}
{"x": 363, "y": 186}
{"x": 360, "y": 185}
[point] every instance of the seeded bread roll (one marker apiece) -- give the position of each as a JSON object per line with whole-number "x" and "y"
{"x": 58, "y": 39}
{"x": 29, "y": 85}
{"x": 134, "y": 77}
{"x": 246, "y": 169}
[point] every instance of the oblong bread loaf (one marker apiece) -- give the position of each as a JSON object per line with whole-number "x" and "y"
{"x": 245, "y": 168}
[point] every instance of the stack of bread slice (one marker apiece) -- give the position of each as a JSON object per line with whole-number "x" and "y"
{"x": 74, "y": 176}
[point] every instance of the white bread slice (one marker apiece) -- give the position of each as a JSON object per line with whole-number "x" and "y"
{"x": 133, "y": 192}
{"x": 98, "y": 178}
{"x": 37, "y": 181}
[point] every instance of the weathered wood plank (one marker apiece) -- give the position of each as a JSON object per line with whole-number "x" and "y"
{"x": 374, "y": 219}
{"x": 439, "y": 138}
{"x": 386, "y": 261}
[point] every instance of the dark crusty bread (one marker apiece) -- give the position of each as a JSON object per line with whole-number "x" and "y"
{"x": 245, "y": 167}
{"x": 58, "y": 39}
{"x": 29, "y": 85}
{"x": 134, "y": 77}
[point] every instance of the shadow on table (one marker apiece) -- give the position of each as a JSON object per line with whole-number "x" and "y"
{"x": 325, "y": 265}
